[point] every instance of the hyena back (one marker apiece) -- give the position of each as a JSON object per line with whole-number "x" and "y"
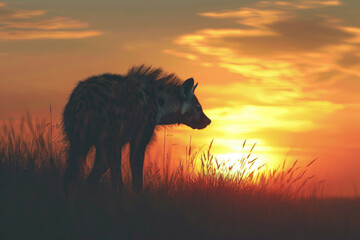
{"x": 110, "y": 110}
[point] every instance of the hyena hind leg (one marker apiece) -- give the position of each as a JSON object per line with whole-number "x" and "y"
{"x": 114, "y": 153}
{"x": 75, "y": 161}
{"x": 99, "y": 168}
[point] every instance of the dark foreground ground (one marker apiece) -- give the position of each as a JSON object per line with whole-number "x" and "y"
{"x": 32, "y": 206}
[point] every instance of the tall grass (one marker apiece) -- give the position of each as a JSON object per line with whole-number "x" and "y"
{"x": 201, "y": 198}
{"x": 40, "y": 145}
{"x": 30, "y": 143}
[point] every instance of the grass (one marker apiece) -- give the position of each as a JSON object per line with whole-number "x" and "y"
{"x": 197, "y": 200}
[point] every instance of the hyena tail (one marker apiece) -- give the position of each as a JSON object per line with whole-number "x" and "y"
{"x": 75, "y": 128}
{"x": 75, "y": 163}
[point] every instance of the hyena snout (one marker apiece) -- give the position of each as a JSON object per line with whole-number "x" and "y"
{"x": 201, "y": 122}
{"x": 204, "y": 122}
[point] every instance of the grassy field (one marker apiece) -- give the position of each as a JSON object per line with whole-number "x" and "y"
{"x": 197, "y": 200}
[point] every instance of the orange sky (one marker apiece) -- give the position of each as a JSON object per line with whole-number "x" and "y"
{"x": 283, "y": 74}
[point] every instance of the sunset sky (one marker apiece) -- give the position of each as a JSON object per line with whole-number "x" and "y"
{"x": 282, "y": 74}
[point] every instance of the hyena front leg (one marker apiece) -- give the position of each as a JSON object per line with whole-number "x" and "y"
{"x": 100, "y": 167}
{"x": 114, "y": 153}
{"x": 137, "y": 154}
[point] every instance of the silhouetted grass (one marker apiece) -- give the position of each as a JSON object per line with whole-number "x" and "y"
{"x": 197, "y": 200}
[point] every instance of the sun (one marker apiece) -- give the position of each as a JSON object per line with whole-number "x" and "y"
{"x": 237, "y": 164}
{"x": 243, "y": 157}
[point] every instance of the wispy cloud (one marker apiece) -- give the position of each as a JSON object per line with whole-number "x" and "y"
{"x": 250, "y": 16}
{"x": 17, "y": 24}
{"x": 28, "y": 35}
{"x": 180, "y": 54}
{"x": 301, "y": 4}
{"x": 45, "y": 24}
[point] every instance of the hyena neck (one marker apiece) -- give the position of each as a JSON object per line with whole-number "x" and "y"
{"x": 169, "y": 105}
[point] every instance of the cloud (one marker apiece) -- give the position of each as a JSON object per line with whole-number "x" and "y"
{"x": 261, "y": 14}
{"x": 46, "y": 24}
{"x": 279, "y": 37}
{"x": 250, "y": 16}
{"x": 307, "y": 35}
{"x": 17, "y": 24}
{"x": 315, "y": 4}
{"x": 349, "y": 60}
{"x": 28, "y": 35}
{"x": 302, "y": 4}
{"x": 353, "y": 30}
{"x": 188, "y": 56}
{"x": 15, "y": 14}
{"x": 26, "y": 14}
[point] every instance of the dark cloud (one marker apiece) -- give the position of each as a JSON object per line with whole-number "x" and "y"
{"x": 326, "y": 76}
{"x": 336, "y": 87}
{"x": 290, "y": 36}
{"x": 349, "y": 60}
{"x": 5, "y": 12}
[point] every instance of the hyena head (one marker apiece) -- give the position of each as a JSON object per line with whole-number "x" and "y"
{"x": 191, "y": 113}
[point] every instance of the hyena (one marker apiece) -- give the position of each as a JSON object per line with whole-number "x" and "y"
{"x": 110, "y": 110}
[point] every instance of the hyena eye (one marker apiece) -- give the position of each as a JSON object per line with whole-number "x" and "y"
{"x": 198, "y": 107}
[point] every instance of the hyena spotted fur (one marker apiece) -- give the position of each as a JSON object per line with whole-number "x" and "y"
{"x": 110, "y": 110}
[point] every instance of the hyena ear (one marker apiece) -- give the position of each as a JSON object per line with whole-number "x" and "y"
{"x": 186, "y": 89}
{"x": 195, "y": 87}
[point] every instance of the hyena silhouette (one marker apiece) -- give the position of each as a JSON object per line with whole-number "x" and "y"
{"x": 110, "y": 110}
